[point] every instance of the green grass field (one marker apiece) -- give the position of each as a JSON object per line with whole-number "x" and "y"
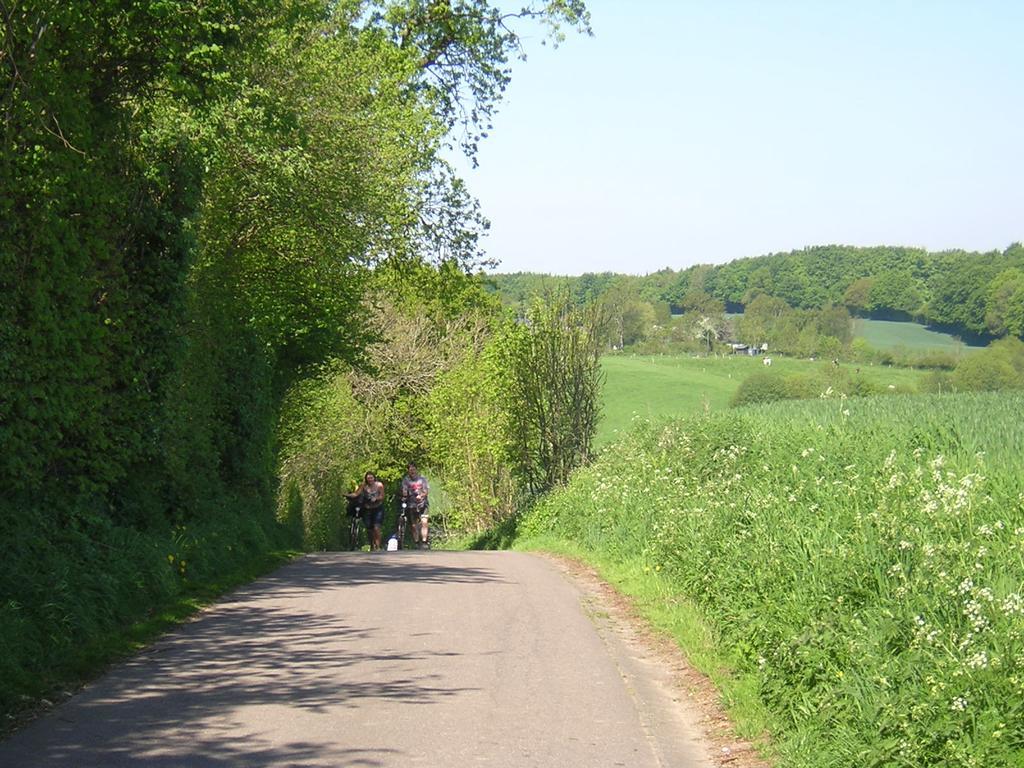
{"x": 655, "y": 385}
{"x": 891, "y": 334}
{"x": 887, "y": 334}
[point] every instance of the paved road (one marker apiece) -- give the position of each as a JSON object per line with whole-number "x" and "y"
{"x": 398, "y": 659}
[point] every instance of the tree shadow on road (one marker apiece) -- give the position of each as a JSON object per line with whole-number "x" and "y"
{"x": 329, "y": 569}
{"x": 232, "y": 686}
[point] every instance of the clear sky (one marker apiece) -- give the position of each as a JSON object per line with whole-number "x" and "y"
{"x": 702, "y": 131}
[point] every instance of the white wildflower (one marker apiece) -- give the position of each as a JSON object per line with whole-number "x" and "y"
{"x": 978, "y": 661}
{"x": 1013, "y": 605}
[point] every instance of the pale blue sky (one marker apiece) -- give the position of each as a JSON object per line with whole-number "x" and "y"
{"x": 688, "y": 132}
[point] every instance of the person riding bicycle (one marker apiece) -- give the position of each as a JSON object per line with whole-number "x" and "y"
{"x": 415, "y": 490}
{"x": 371, "y": 496}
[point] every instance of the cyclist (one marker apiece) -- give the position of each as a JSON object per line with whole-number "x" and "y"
{"x": 415, "y": 490}
{"x": 371, "y": 494}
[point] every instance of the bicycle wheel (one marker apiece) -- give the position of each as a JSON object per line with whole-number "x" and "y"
{"x": 401, "y": 529}
{"x": 353, "y": 533}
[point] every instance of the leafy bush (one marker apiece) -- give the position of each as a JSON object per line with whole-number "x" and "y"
{"x": 768, "y": 387}
{"x": 68, "y": 589}
{"x": 999, "y": 366}
{"x": 762, "y": 387}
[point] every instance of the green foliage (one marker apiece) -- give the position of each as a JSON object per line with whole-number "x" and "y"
{"x": 427, "y": 394}
{"x": 971, "y": 294}
{"x": 894, "y": 292}
{"x": 860, "y": 560}
{"x": 124, "y": 442}
{"x": 68, "y": 588}
{"x": 552, "y": 364}
{"x": 822, "y": 382}
{"x": 1000, "y": 366}
{"x": 763, "y": 387}
{"x": 628, "y": 319}
{"x": 325, "y": 449}
{"x": 461, "y": 49}
{"x": 469, "y": 415}
{"x": 1004, "y": 307}
{"x": 193, "y": 198}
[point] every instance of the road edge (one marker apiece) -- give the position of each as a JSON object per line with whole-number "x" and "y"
{"x": 641, "y": 648}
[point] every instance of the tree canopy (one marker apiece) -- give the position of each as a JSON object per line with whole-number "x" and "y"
{"x": 974, "y": 294}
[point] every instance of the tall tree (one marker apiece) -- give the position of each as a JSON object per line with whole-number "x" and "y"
{"x": 1004, "y": 307}
{"x": 553, "y": 364}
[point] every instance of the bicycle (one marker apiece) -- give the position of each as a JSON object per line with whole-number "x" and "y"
{"x": 411, "y": 513}
{"x": 354, "y": 512}
{"x": 400, "y": 524}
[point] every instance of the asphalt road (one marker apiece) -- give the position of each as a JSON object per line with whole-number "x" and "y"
{"x": 445, "y": 659}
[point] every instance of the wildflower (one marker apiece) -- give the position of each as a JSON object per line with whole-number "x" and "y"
{"x": 1013, "y": 605}
{"x": 978, "y": 661}
{"x": 959, "y": 704}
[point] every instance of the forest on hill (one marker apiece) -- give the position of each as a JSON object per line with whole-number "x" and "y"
{"x": 970, "y": 294}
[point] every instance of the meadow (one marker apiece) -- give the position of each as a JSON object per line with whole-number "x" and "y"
{"x": 848, "y": 570}
{"x": 889, "y": 334}
{"x": 650, "y": 386}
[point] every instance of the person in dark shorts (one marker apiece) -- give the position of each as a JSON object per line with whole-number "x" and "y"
{"x": 415, "y": 490}
{"x": 371, "y": 494}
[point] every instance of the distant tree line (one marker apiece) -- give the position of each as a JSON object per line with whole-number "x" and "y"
{"x": 966, "y": 293}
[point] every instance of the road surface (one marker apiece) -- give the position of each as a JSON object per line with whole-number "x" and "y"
{"x": 439, "y": 659}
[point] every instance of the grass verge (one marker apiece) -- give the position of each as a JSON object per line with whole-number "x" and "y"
{"x": 669, "y": 612}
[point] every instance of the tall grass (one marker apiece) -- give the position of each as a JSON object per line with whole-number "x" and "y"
{"x": 861, "y": 560}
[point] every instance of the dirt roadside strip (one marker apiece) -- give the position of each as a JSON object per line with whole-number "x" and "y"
{"x": 399, "y": 659}
{"x": 655, "y": 665}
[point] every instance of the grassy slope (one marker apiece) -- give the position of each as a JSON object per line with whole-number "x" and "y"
{"x": 657, "y": 385}
{"x": 892, "y": 334}
{"x": 887, "y": 334}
